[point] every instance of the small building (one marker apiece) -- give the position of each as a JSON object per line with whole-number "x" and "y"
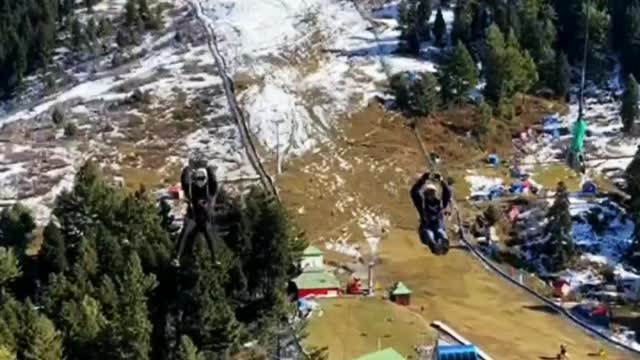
{"x": 316, "y": 284}
{"x": 386, "y": 354}
{"x": 312, "y": 259}
{"x": 456, "y": 352}
{"x": 561, "y": 288}
{"x": 400, "y": 294}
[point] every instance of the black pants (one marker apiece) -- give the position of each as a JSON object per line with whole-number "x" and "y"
{"x": 435, "y": 237}
{"x": 190, "y": 229}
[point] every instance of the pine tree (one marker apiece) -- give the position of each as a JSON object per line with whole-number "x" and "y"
{"x": 188, "y": 350}
{"x": 400, "y": 87}
{"x": 16, "y": 227}
{"x": 483, "y": 118}
{"x": 130, "y": 332}
{"x": 425, "y": 89}
{"x": 89, "y": 5}
{"x": 631, "y": 49}
{"x": 440, "y": 29}
{"x": 6, "y": 354}
{"x": 459, "y": 75}
{"x": 83, "y": 322}
{"x": 132, "y": 15}
{"x": 629, "y": 108}
{"x": 561, "y": 248}
{"x": 9, "y": 269}
{"x": 78, "y": 38}
{"x": 560, "y": 82}
{"x": 54, "y": 249}
{"x": 91, "y": 31}
{"x": 463, "y": 18}
{"x": 41, "y": 339}
{"x": 105, "y": 29}
{"x": 508, "y": 69}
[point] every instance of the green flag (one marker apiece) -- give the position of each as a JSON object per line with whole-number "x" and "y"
{"x": 579, "y": 133}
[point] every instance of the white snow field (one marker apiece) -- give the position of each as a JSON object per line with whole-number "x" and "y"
{"x": 306, "y": 63}
{"x": 38, "y": 161}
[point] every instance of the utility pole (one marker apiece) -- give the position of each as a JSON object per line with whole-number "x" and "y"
{"x": 278, "y": 156}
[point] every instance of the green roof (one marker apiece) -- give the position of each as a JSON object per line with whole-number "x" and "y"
{"x": 311, "y": 251}
{"x": 316, "y": 280}
{"x": 400, "y": 289}
{"x": 386, "y": 354}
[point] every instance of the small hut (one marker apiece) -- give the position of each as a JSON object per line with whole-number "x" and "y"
{"x": 400, "y": 294}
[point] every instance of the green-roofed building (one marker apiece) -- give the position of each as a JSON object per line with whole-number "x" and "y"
{"x": 400, "y": 294}
{"x": 312, "y": 259}
{"x": 386, "y": 354}
{"x": 317, "y": 283}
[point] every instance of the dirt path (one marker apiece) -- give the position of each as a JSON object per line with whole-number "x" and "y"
{"x": 370, "y": 172}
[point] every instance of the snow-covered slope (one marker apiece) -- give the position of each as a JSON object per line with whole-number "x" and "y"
{"x": 305, "y": 63}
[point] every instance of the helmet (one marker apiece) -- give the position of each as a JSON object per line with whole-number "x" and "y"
{"x": 431, "y": 187}
{"x": 199, "y": 177}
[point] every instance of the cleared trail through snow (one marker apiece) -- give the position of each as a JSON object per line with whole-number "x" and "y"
{"x": 232, "y": 101}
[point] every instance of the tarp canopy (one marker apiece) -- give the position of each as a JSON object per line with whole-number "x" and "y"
{"x": 579, "y": 133}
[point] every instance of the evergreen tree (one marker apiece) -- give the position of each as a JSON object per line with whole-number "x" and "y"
{"x": 629, "y": 108}
{"x": 561, "y": 248}
{"x": 463, "y": 18}
{"x": 440, "y": 29}
{"x": 91, "y": 31}
{"x": 414, "y": 23}
{"x": 6, "y": 354}
{"x": 560, "y": 82}
{"x": 89, "y": 5}
{"x": 54, "y": 249}
{"x": 400, "y": 87}
{"x": 83, "y": 321}
{"x": 105, "y": 28}
{"x": 508, "y": 69}
{"x": 426, "y": 94}
{"x": 130, "y": 332}
{"x": 483, "y": 118}
{"x": 9, "y": 269}
{"x": 41, "y": 339}
{"x": 631, "y": 49}
{"x": 188, "y": 350}
{"x": 16, "y": 227}
{"x": 78, "y": 37}
{"x": 459, "y": 75}
{"x": 132, "y": 15}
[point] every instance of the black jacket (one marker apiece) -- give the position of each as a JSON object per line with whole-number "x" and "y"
{"x": 431, "y": 211}
{"x": 200, "y": 197}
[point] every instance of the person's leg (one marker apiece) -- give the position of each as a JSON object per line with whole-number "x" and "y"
{"x": 211, "y": 237}
{"x": 427, "y": 237}
{"x": 188, "y": 229}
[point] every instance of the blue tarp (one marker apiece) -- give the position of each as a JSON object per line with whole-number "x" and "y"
{"x": 589, "y": 188}
{"x": 495, "y": 191}
{"x": 493, "y": 160}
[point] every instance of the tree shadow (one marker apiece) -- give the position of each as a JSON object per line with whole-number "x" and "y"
{"x": 542, "y": 308}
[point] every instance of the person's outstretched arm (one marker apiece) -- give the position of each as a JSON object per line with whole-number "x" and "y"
{"x": 185, "y": 181}
{"x": 416, "y": 194}
{"x": 212, "y": 183}
{"x": 446, "y": 194}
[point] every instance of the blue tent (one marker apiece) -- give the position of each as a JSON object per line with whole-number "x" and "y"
{"x": 457, "y": 352}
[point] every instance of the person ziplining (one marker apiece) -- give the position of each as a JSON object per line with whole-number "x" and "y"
{"x": 201, "y": 189}
{"x": 431, "y": 210}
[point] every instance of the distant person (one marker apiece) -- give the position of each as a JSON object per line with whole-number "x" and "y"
{"x": 431, "y": 210}
{"x": 200, "y": 188}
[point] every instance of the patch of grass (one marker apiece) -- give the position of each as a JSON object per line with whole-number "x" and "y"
{"x": 352, "y": 327}
{"x": 549, "y": 176}
{"x": 134, "y": 177}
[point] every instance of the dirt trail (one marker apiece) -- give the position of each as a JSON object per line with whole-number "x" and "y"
{"x": 371, "y": 171}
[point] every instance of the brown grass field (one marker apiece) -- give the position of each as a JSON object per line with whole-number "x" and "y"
{"x": 371, "y": 168}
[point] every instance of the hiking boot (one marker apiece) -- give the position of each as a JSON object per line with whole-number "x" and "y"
{"x": 175, "y": 263}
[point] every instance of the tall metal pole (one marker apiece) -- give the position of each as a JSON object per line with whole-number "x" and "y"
{"x": 584, "y": 61}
